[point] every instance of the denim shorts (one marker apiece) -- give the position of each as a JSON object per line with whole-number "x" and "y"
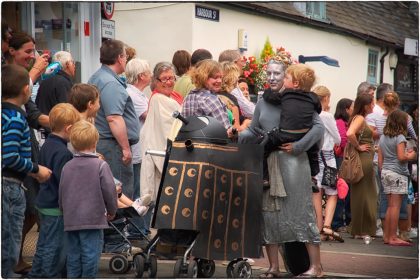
{"x": 383, "y": 204}
{"x": 394, "y": 183}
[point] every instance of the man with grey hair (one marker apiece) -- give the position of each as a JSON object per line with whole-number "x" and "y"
{"x": 366, "y": 87}
{"x": 56, "y": 89}
{"x": 116, "y": 121}
{"x": 247, "y": 107}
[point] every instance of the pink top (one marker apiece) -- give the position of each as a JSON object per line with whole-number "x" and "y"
{"x": 342, "y": 130}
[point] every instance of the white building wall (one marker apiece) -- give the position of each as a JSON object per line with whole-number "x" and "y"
{"x": 157, "y": 30}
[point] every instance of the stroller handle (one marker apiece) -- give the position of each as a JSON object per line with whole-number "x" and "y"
{"x": 156, "y": 153}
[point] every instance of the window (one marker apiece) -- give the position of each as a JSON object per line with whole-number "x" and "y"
{"x": 372, "y": 69}
{"x": 316, "y": 10}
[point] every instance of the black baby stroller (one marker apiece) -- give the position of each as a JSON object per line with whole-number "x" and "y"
{"x": 116, "y": 243}
{"x": 207, "y": 201}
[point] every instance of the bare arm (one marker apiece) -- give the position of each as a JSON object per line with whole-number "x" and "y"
{"x": 404, "y": 156}
{"x": 39, "y": 67}
{"x": 44, "y": 120}
{"x": 119, "y": 130}
{"x": 355, "y": 126}
{"x": 380, "y": 159}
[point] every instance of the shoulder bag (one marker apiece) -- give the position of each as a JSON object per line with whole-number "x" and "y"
{"x": 329, "y": 175}
{"x": 351, "y": 168}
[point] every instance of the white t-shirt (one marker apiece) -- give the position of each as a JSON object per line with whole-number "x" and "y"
{"x": 331, "y": 134}
{"x": 141, "y": 103}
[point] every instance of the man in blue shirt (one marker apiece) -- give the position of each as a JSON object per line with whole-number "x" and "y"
{"x": 116, "y": 120}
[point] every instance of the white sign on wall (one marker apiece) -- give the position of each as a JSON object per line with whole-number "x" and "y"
{"x": 411, "y": 47}
{"x": 108, "y": 29}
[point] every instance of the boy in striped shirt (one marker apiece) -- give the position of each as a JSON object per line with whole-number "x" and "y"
{"x": 16, "y": 162}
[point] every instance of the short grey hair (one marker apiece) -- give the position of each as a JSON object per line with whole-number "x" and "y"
{"x": 229, "y": 55}
{"x": 162, "y": 67}
{"x": 364, "y": 87}
{"x": 159, "y": 69}
{"x": 62, "y": 57}
{"x": 135, "y": 67}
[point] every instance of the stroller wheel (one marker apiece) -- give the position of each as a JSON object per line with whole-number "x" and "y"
{"x": 192, "y": 270}
{"x": 242, "y": 270}
{"x": 206, "y": 268}
{"x": 139, "y": 265}
{"x": 153, "y": 266}
{"x": 230, "y": 267}
{"x": 118, "y": 264}
{"x": 178, "y": 268}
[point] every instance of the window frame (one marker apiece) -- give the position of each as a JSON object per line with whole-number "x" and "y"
{"x": 372, "y": 63}
{"x": 312, "y": 6}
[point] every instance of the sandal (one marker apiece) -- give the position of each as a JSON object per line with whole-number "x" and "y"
{"x": 270, "y": 274}
{"x": 335, "y": 235}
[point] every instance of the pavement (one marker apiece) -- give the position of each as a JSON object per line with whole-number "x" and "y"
{"x": 351, "y": 259}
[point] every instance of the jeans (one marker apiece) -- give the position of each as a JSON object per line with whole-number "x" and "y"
{"x": 112, "y": 152}
{"x": 342, "y": 214}
{"x": 50, "y": 254}
{"x": 13, "y": 206}
{"x": 84, "y": 253}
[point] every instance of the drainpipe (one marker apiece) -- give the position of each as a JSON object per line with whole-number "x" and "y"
{"x": 381, "y": 77}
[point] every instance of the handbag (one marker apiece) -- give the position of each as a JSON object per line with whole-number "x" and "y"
{"x": 338, "y": 151}
{"x": 329, "y": 175}
{"x": 351, "y": 168}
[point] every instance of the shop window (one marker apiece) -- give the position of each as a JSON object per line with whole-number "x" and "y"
{"x": 56, "y": 29}
{"x": 406, "y": 80}
{"x": 372, "y": 70}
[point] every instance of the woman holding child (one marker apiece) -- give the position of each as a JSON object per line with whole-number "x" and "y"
{"x": 286, "y": 218}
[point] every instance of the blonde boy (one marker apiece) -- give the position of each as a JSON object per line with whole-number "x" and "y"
{"x": 88, "y": 199}
{"x": 298, "y": 106}
{"x": 49, "y": 257}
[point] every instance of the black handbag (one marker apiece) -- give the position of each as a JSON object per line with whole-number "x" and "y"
{"x": 329, "y": 175}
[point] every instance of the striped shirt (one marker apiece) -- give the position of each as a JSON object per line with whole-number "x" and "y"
{"x": 204, "y": 103}
{"x": 378, "y": 119}
{"x": 16, "y": 144}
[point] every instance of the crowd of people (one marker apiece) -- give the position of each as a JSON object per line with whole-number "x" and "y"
{"x": 71, "y": 152}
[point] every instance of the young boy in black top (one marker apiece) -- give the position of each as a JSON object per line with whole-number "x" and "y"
{"x": 298, "y": 105}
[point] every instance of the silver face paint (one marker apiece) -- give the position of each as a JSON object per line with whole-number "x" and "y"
{"x": 275, "y": 76}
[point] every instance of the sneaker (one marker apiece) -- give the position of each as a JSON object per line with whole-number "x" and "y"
{"x": 142, "y": 204}
{"x": 145, "y": 200}
{"x": 141, "y": 210}
{"x": 379, "y": 232}
{"x": 413, "y": 233}
{"x": 405, "y": 235}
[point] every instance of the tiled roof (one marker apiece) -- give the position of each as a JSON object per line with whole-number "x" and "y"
{"x": 380, "y": 22}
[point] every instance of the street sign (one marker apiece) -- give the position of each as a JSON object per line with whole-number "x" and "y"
{"x": 108, "y": 9}
{"x": 207, "y": 13}
{"x": 108, "y": 29}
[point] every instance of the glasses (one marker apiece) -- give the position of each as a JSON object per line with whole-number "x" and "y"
{"x": 165, "y": 80}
